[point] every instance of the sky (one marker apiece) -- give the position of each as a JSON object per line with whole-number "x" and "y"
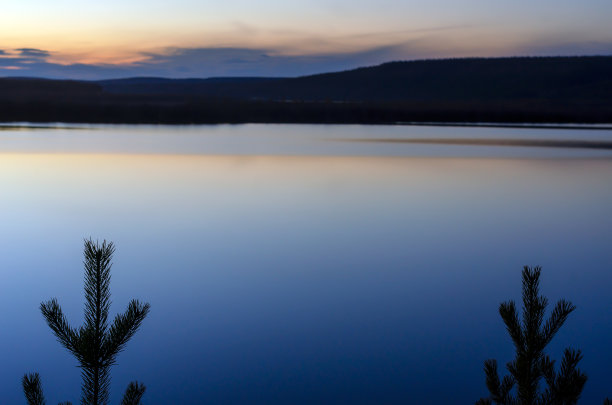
{"x": 202, "y": 38}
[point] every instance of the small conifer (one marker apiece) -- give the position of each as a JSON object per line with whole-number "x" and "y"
{"x": 97, "y": 343}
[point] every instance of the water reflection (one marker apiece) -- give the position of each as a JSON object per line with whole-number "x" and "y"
{"x": 298, "y": 279}
{"x": 312, "y": 140}
{"x": 529, "y": 143}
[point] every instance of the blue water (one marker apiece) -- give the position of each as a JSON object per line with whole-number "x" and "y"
{"x": 293, "y": 264}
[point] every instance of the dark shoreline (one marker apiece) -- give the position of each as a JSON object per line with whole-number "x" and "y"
{"x": 29, "y": 125}
{"x": 496, "y": 91}
{"x": 113, "y": 109}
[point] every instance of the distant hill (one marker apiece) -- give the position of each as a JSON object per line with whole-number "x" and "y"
{"x": 521, "y": 89}
{"x": 447, "y": 79}
{"x": 224, "y": 87}
{"x": 43, "y": 89}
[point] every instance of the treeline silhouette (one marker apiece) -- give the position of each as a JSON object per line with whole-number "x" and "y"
{"x": 513, "y": 90}
{"x": 425, "y": 80}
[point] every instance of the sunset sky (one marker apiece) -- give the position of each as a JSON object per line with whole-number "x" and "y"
{"x": 189, "y": 38}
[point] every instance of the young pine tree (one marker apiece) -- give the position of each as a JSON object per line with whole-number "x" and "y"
{"x": 531, "y": 365}
{"x": 96, "y": 344}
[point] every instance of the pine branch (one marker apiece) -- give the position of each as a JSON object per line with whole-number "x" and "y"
{"x": 531, "y": 288}
{"x": 550, "y": 376}
{"x": 509, "y": 315}
{"x": 492, "y": 378}
{"x": 88, "y": 392}
{"x": 557, "y": 318}
{"x": 58, "y": 323}
{"x": 571, "y": 380}
{"x": 133, "y": 393}
{"x": 86, "y": 345}
{"x": 534, "y": 306}
{"x": 505, "y": 389}
{"x": 96, "y": 379}
{"x": 95, "y": 375}
{"x": 528, "y": 359}
{"x": 499, "y": 390}
{"x": 547, "y": 397}
{"x": 97, "y": 284}
{"x": 95, "y": 385}
{"x": 123, "y": 328}
{"x": 33, "y": 389}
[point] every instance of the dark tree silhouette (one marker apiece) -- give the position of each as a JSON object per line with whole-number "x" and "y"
{"x": 96, "y": 344}
{"x": 33, "y": 389}
{"x": 133, "y": 393}
{"x": 530, "y": 336}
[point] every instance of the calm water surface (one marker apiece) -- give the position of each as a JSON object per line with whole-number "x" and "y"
{"x": 305, "y": 264}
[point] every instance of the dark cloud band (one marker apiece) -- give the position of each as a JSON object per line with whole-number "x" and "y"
{"x": 238, "y": 62}
{"x": 33, "y": 52}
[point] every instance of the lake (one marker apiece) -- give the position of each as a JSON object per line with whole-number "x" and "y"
{"x": 304, "y": 264}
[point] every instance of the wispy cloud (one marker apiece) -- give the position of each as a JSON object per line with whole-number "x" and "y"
{"x": 197, "y": 62}
{"x": 33, "y": 53}
{"x": 298, "y": 53}
{"x": 194, "y": 62}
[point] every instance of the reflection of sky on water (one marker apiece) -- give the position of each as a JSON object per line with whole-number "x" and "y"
{"x": 318, "y": 140}
{"x": 304, "y": 279}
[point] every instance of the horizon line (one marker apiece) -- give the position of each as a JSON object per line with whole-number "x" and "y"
{"x": 280, "y": 77}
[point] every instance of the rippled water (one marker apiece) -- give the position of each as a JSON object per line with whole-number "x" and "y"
{"x": 291, "y": 264}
